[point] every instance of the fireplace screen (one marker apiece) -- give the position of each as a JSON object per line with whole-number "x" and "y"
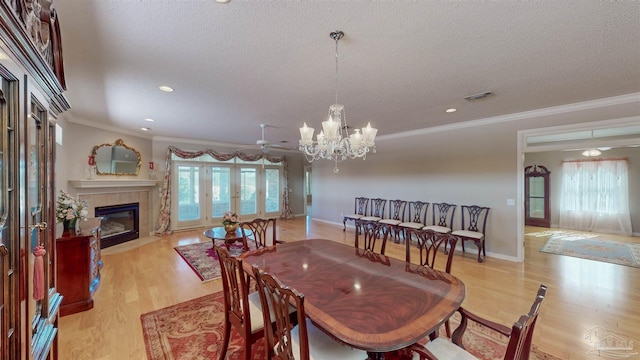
{"x": 120, "y": 223}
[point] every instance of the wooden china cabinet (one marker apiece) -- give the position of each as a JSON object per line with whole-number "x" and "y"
{"x": 537, "y": 206}
{"x": 31, "y": 98}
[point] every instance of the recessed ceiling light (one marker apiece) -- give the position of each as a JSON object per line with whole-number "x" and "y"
{"x": 145, "y": 129}
{"x": 149, "y": 120}
{"x": 452, "y": 110}
{"x": 165, "y": 88}
{"x": 222, "y": 1}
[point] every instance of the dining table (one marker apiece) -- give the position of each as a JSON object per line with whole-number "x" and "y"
{"x": 363, "y": 299}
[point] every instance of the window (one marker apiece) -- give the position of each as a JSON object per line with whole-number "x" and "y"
{"x": 595, "y": 196}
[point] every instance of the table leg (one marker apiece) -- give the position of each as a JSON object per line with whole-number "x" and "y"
{"x": 402, "y": 354}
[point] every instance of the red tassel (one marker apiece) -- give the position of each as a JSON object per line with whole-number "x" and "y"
{"x": 38, "y": 272}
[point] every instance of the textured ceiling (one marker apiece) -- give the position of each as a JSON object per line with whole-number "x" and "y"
{"x": 236, "y": 65}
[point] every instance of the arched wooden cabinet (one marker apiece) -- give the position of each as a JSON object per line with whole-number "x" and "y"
{"x": 536, "y": 196}
{"x": 31, "y": 98}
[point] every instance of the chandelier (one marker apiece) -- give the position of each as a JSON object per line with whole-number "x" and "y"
{"x": 333, "y": 142}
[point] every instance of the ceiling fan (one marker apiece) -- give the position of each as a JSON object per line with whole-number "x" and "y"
{"x": 265, "y": 145}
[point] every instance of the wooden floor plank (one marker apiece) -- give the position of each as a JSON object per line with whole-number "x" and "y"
{"x": 582, "y": 293}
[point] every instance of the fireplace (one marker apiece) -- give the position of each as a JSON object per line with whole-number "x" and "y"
{"x": 120, "y": 223}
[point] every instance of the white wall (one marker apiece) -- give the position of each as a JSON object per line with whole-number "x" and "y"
{"x": 472, "y": 165}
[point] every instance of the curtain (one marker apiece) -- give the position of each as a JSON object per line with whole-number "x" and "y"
{"x": 164, "y": 219}
{"x": 595, "y": 196}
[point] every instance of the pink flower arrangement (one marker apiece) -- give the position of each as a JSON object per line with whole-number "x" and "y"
{"x": 230, "y": 218}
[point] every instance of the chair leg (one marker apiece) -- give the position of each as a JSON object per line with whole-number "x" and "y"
{"x": 247, "y": 349}
{"x": 480, "y": 249}
{"x": 463, "y": 240}
{"x": 225, "y": 339}
{"x": 344, "y": 224}
{"x": 483, "y": 251}
{"x": 447, "y": 328}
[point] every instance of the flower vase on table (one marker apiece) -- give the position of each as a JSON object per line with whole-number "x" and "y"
{"x": 230, "y": 221}
{"x": 231, "y": 228}
{"x": 69, "y": 227}
{"x": 69, "y": 210}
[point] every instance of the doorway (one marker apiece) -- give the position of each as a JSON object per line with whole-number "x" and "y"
{"x": 617, "y": 133}
{"x": 308, "y": 196}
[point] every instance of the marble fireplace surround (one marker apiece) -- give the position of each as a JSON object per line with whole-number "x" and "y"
{"x": 115, "y": 192}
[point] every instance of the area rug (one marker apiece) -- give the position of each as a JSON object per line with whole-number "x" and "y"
{"x": 593, "y": 249}
{"x": 563, "y": 234}
{"x": 194, "y": 329}
{"x": 203, "y": 260}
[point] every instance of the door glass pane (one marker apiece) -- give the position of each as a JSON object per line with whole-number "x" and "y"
{"x": 248, "y": 204}
{"x": 272, "y": 190}
{"x": 188, "y": 193}
{"x": 536, "y": 208}
{"x": 536, "y": 186}
{"x": 220, "y": 191}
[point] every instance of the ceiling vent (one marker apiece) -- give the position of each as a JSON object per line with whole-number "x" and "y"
{"x": 478, "y": 96}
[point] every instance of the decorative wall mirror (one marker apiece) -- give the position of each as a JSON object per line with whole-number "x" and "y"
{"x": 536, "y": 200}
{"x": 116, "y": 159}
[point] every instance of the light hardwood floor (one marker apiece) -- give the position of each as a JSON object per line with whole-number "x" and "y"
{"x": 582, "y": 294}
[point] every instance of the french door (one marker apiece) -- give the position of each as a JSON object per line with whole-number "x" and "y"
{"x": 205, "y": 191}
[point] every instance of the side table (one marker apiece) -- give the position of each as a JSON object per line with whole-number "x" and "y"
{"x": 219, "y": 233}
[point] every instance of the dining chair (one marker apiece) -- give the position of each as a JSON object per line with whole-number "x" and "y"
{"x": 361, "y": 204}
{"x": 263, "y": 231}
{"x": 417, "y": 216}
{"x": 304, "y": 341}
{"x": 369, "y": 233}
{"x": 396, "y": 214}
{"x": 518, "y": 347}
{"x": 376, "y": 210}
{"x": 242, "y": 310}
{"x": 442, "y": 217}
{"x": 428, "y": 243}
{"x": 474, "y": 223}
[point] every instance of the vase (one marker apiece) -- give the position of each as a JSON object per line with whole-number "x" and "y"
{"x": 230, "y": 228}
{"x": 69, "y": 226}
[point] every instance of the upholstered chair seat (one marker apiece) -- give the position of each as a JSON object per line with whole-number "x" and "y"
{"x": 437, "y": 228}
{"x": 322, "y": 347}
{"x": 445, "y": 349}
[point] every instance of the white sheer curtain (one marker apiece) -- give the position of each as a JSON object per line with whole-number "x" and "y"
{"x": 595, "y": 196}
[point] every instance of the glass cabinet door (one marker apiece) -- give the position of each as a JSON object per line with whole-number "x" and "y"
{"x": 536, "y": 186}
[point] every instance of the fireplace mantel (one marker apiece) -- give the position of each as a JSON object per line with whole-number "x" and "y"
{"x": 112, "y": 183}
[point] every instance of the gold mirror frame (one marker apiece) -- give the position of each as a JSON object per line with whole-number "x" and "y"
{"x": 100, "y": 155}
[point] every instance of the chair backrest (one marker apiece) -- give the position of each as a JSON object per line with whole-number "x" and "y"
{"x": 235, "y": 288}
{"x": 397, "y": 209}
{"x": 418, "y": 212}
{"x": 370, "y": 233}
{"x": 428, "y": 243}
{"x": 276, "y": 299}
{"x": 361, "y": 206}
{"x": 442, "y": 214}
{"x": 519, "y": 345}
{"x": 474, "y": 218}
{"x": 377, "y": 207}
{"x": 263, "y": 230}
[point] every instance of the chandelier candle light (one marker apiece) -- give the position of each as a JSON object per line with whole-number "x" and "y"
{"x": 331, "y": 143}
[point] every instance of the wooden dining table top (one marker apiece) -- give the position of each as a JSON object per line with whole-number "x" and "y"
{"x": 368, "y": 301}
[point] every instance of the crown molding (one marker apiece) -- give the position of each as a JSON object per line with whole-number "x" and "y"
{"x": 586, "y": 105}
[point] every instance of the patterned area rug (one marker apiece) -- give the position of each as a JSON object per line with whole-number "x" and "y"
{"x": 203, "y": 260}
{"x": 593, "y": 249}
{"x": 194, "y": 329}
{"x": 563, "y": 234}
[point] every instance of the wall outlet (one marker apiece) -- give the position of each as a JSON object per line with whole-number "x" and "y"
{"x": 511, "y": 202}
